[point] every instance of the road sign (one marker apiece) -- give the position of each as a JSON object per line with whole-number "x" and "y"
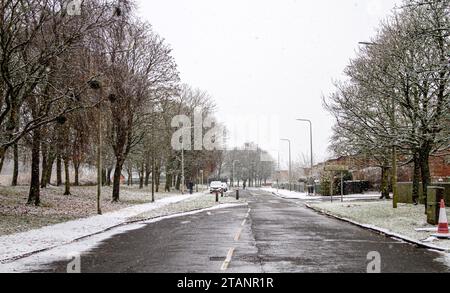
{"x": 341, "y": 169}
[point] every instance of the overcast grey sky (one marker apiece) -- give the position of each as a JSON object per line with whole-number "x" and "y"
{"x": 267, "y": 57}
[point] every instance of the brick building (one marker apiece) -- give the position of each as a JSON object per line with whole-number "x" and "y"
{"x": 439, "y": 168}
{"x": 368, "y": 170}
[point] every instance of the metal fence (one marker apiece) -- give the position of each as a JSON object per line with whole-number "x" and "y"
{"x": 297, "y": 187}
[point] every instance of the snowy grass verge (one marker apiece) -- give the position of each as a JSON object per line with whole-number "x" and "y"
{"x": 193, "y": 204}
{"x": 381, "y": 217}
{"x": 23, "y": 244}
{"x": 16, "y": 216}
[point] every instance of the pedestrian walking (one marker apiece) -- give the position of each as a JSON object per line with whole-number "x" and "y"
{"x": 191, "y": 187}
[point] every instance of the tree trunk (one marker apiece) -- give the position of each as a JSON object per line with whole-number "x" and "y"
{"x": 58, "y": 170}
{"x": 76, "y": 167}
{"x": 178, "y": 183}
{"x": 16, "y": 165}
{"x": 147, "y": 174}
{"x": 130, "y": 177}
{"x": 116, "y": 181}
{"x": 2, "y": 158}
{"x": 426, "y": 176}
{"x": 141, "y": 176}
{"x": 158, "y": 178}
{"x": 416, "y": 179}
{"x": 67, "y": 177}
{"x": 104, "y": 174}
{"x": 108, "y": 176}
{"x": 48, "y": 172}
{"x": 34, "y": 194}
{"x": 44, "y": 151}
{"x": 385, "y": 183}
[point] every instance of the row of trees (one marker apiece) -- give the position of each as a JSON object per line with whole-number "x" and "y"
{"x": 394, "y": 104}
{"x": 72, "y": 84}
{"x": 250, "y": 165}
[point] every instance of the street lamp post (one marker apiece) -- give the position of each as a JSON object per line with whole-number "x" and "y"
{"x": 99, "y": 88}
{"x": 182, "y": 166}
{"x": 278, "y": 173}
{"x": 99, "y": 161}
{"x": 311, "y": 148}
{"x": 290, "y": 164}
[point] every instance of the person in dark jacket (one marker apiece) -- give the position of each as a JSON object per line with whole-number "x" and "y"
{"x": 191, "y": 187}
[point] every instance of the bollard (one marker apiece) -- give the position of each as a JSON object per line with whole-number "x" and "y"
{"x": 237, "y": 194}
{"x": 217, "y": 196}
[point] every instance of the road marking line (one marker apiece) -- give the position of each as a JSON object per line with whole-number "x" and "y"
{"x": 238, "y": 235}
{"x": 227, "y": 261}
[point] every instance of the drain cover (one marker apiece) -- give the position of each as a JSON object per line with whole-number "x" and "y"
{"x": 217, "y": 258}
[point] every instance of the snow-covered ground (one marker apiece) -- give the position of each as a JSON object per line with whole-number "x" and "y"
{"x": 191, "y": 204}
{"x": 304, "y": 196}
{"x": 290, "y": 194}
{"x": 55, "y": 208}
{"x": 402, "y": 222}
{"x": 18, "y": 245}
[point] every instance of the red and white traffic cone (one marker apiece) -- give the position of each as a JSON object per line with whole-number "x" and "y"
{"x": 443, "y": 222}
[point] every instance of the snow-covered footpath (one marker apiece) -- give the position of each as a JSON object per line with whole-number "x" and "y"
{"x": 22, "y": 244}
{"x": 290, "y": 194}
{"x": 304, "y": 196}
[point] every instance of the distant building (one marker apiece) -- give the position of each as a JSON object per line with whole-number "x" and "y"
{"x": 282, "y": 176}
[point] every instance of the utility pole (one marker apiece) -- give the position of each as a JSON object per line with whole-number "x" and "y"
{"x": 290, "y": 164}
{"x": 182, "y": 167}
{"x": 153, "y": 176}
{"x": 99, "y": 157}
{"x": 278, "y": 173}
{"x": 394, "y": 160}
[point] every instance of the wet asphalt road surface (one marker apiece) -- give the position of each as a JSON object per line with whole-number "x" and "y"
{"x": 269, "y": 235}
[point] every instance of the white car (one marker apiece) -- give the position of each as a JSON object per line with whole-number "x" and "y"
{"x": 216, "y": 186}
